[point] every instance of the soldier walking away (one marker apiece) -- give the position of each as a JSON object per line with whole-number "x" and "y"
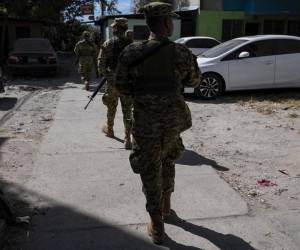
{"x": 86, "y": 53}
{"x": 107, "y": 63}
{"x": 153, "y": 73}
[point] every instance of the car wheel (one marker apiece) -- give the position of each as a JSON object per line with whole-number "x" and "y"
{"x": 210, "y": 87}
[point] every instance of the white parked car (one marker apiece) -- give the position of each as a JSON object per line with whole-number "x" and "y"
{"x": 198, "y": 44}
{"x": 257, "y": 62}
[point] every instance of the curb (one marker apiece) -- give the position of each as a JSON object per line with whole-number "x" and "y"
{"x": 10, "y": 113}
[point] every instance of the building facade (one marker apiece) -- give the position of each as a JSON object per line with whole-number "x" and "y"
{"x": 136, "y": 23}
{"x": 19, "y": 28}
{"x": 185, "y": 26}
{"x": 227, "y": 19}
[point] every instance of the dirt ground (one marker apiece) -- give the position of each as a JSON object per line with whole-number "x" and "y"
{"x": 256, "y": 135}
{"x": 247, "y": 136}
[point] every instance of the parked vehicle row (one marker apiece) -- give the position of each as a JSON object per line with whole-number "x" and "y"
{"x": 257, "y": 62}
{"x": 254, "y": 62}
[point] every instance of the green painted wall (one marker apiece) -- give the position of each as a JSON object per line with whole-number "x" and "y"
{"x": 134, "y": 22}
{"x": 209, "y": 23}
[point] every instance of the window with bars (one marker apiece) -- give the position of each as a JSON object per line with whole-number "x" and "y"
{"x": 274, "y": 27}
{"x": 232, "y": 29}
{"x": 294, "y": 27}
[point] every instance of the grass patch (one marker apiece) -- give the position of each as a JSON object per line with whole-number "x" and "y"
{"x": 3, "y": 130}
{"x": 268, "y": 103}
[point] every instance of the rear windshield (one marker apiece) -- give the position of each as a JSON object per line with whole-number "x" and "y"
{"x": 33, "y": 45}
{"x": 180, "y": 40}
{"x": 222, "y": 48}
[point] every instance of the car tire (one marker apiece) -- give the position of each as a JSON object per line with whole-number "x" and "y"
{"x": 211, "y": 86}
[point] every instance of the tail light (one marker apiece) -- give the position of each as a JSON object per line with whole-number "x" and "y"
{"x": 51, "y": 59}
{"x": 13, "y": 60}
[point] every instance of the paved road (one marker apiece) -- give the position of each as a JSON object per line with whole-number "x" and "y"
{"x": 87, "y": 197}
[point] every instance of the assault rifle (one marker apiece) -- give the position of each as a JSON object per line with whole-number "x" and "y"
{"x": 102, "y": 82}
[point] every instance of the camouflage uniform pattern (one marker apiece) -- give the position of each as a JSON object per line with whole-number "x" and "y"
{"x": 158, "y": 9}
{"x": 110, "y": 98}
{"x": 157, "y": 123}
{"x": 87, "y": 53}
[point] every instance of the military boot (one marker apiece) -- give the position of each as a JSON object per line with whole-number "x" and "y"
{"x": 166, "y": 205}
{"x": 109, "y": 131}
{"x": 156, "y": 229}
{"x": 127, "y": 140}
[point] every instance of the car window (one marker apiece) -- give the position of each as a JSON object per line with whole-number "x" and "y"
{"x": 287, "y": 46}
{"x": 211, "y": 43}
{"x": 255, "y": 49}
{"x": 180, "y": 40}
{"x": 223, "y": 48}
{"x": 201, "y": 43}
{"x": 35, "y": 45}
{"x": 194, "y": 43}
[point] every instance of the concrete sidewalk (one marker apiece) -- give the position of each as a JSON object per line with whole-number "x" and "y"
{"x": 89, "y": 198}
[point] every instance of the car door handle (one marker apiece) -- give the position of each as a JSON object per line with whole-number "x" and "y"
{"x": 268, "y": 62}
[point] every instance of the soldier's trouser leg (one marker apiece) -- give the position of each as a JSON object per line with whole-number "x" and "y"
{"x": 85, "y": 69}
{"x": 145, "y": 160}
{"x": 110, "y": 99}
{"x": 153, "y": 159}
{"x": 111, "y": 111}
{"x": 172, "y": 150}
{"x": 126, "y": 105}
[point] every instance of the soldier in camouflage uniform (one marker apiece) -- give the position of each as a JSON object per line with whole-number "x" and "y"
{"x": 86, "y": 52}
{"x": 107, "y": 63}
{"x": 154, "y": 73}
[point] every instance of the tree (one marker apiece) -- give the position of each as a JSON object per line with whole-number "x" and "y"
{"x": 44, "y": 9}
{"x": 109, "y": 7}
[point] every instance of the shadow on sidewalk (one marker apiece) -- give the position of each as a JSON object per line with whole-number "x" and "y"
{"x": 192, "y": 158}
{"x": 7, "y": 103}
{"x": 222, "y": 241}
{"x": 55, "y": 225}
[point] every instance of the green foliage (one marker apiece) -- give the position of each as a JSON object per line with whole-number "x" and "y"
{"x": 44, "y": 9}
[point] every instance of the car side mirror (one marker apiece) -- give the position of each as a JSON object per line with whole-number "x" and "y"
{"x": 244, "y": 54}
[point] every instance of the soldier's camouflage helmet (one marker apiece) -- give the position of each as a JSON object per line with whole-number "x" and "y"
{"x": 120, "y": 22}
{"x": 158, "y": 9}
{"x": 86, "y": 34}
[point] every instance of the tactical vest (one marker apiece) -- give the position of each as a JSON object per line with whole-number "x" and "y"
{"x": 86, "y": 49}
{"x": 118, "y": 46}
{"x": 156, "y": 69}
